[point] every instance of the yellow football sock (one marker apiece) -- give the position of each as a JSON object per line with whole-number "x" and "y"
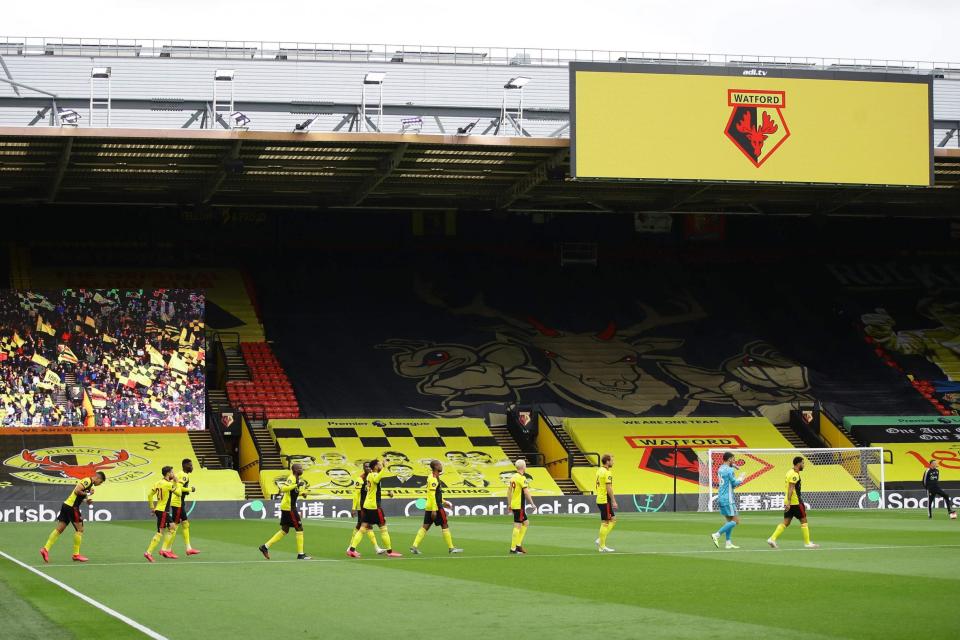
{"x": 300, "y": 542}
{"x": 604, "y": 530}
{"x": 277, "y": 537}
{"x": 447, "y": 537}
{"x": 386, "y": 539}
{"x": 805, "y": 530}
{"x": 515, "y": 538}
{"x": 168, "y": 539}
{"x": 372, "y": 538}
{"x": 610, "y": 526}
{"x": 523, "y": 534}
{"x": 77, "y": 539}
{"x": 186, "y": 534}
{"x": 421, "y": 533}
{"x": 357, "y": 535}
{"x": 776, "y": 534}
{"x": 154, "y": 542}
{"x": 51, "y": 539}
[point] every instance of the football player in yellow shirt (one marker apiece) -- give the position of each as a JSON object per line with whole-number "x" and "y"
{"x": 606, "y": 502}
{"x": 372, "y": 513}
{"x": 359, "y": 495}
{"x": 159, "y": 501}
{"x": 294, "y": 486}
{"x": 70, "y": 514}
{"x": 794, "y": 507}
{"x": 179, "y": 518}
{"x": 433, "y": 511}
{"x": 517, "y": 490}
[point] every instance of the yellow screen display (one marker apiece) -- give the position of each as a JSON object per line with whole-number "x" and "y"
{"x": 639, "y": 124}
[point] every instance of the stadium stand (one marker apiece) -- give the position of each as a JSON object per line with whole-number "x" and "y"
{"x": 333, "y": 452}
{"x": 269, "y": 387}
{"x": 445, "y": 338}
{"x": 43, "y": 467}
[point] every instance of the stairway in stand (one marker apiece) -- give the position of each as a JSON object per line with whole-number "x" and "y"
{"x": 568, "y": 486}
{"x": 787, "y": 432}
{"x": 506, "y": 442}
{"x": 252, "y": 490}
{"x": 205, "y": 449}
{"x": 269, "y": 453}
{"x": 579, "y": 460}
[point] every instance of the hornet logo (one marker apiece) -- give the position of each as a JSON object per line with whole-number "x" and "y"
{"x": 756, "y": 125}
{"x": 65, "y": 465}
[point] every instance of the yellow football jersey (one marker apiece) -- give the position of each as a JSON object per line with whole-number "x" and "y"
{"x": 434, "y": 494}
{"x": 73, "y": 500}
{"x": 604, "y": 477}
{"x": 519, "y": 482}
{"x": 792, "y": 478}
{"x": 372, "y": 499}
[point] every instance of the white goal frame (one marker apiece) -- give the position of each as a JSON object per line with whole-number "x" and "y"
{"x": 866, "y": 455}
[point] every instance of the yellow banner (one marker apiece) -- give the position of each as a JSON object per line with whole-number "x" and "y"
{"x": 646, "y": 459}
{"x": 643, "y": 123}
{"x": 910, "y": 460}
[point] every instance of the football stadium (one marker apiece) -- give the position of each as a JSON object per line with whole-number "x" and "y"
{"x": 664, "y": 345}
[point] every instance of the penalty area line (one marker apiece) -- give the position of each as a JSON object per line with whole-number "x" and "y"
{"x": 99, "y": 605}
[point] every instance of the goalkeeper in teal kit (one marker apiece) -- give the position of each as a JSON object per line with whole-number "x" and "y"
{"x": 727, "y": 500}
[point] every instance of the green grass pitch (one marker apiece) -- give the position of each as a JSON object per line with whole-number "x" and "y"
{"x": 878, "y": 575}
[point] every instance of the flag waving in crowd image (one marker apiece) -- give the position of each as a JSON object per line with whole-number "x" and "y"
{"x": 102, "y": 339}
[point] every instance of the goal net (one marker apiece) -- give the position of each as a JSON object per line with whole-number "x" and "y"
{"x": 831, "y": 478}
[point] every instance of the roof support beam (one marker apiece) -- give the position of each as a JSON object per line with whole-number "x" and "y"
{"x": 61, "y": 170}
{"x": 385, "y": 167}
{"x": 211, "y": 187}
{"x": 529, "y": 182}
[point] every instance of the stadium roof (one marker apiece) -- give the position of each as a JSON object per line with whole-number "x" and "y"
{"x": 236, "y": 168}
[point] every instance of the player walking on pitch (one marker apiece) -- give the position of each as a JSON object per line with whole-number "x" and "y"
{"x": 179, "y": 518}
{"x": 606, "y": 502}
{"x": 372, "y": 513}
{"x": 727, "y": 500}
{"x": 433, "y": 512}
{"x": 794, "y": 507}
{"x": 931, "y": 482}
{"x": 517, "y": 490}
{"x": 359, "y": 495}
{"x": 70, "y": 514}
{"x": 289, "y": 514}
{"x": 159, "y": 501}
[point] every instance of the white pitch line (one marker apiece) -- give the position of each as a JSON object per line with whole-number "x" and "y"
{"x": 102, "y": 607}
{"x": 506, "y": 555}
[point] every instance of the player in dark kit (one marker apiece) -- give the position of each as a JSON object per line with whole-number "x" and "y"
{"x": 931, "y": 482}
{"x": 294, "y": 486}
{"x": 70, "y": 514}
{"x": 433, "y": 511}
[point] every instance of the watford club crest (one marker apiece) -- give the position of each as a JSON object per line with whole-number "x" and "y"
{"x": 756, "y": 125}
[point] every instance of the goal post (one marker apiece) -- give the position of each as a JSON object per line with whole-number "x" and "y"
{"x": 831, "y": 478}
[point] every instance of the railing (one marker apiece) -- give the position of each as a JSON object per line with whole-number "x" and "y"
{"x": 406, "y": 53}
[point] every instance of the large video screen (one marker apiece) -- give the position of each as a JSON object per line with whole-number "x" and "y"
{"x": 102, "y": 357}
{"x": 662, "y": 122}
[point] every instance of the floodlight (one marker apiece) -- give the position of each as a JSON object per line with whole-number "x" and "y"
{"x": 100, "y": 72}
{"x": 375, "y": 77}
{"x": 224, "y": 74}
{"x": 516, "y": 83}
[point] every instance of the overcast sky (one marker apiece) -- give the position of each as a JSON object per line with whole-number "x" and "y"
{"x": 926, "y": 30}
